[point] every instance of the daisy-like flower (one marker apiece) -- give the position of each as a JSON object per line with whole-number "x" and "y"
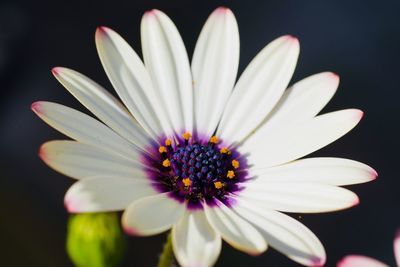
{"x": 364, "y": 261}
{"x": 190, "y": 149}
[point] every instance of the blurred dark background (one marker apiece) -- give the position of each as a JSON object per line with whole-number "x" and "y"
{"x": 359, "y": 40}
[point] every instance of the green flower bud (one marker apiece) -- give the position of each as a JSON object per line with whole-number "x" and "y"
{"x": 95, "y": 240}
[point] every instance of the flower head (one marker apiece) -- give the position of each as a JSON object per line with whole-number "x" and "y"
{"x": 190, "y": 149}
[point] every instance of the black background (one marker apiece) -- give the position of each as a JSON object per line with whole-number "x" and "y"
{"x": 359, "y": 40}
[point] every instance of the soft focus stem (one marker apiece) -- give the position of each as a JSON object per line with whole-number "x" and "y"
{"x": 167, "y": 255}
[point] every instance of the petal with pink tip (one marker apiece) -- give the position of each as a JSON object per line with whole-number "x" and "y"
{"x": 302, "y": 101}
{"x": 167, "y": 62}
{"x": 103, "y": 105}
{"x": 298, "y": 140}
{"x": 333, "y": 171}
{"x": 103, "y": 194}
{"x": 131, "y": 81}
{"x": 259, "y": 88}
{"x": 283, "y": 233}
{"x": 298, "y": 197}
{"x": 396, "y": 247}
{"x": 234, "y": 229}
{"x": 214, "y": 68}
{"x": 152, "y": 215}
{"x": 194, "y": 241}
{"x": 84, "y": 128}
{"x": 360, "y": 261}
{"x": 80, "y": 161}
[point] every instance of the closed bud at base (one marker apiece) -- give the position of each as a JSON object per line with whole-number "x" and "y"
{"x": 95, "y": 240}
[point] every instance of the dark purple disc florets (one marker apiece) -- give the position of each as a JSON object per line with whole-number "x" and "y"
{"x": 194, "y": 171}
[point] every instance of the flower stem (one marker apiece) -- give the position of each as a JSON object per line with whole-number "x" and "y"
{"x": 167, "y": 255}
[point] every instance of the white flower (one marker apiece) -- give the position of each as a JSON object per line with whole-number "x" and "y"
{"x": 191, "y": 150}
{"x": 364, "y": 261}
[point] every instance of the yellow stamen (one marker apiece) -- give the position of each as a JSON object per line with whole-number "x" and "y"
{"x": 186, "y": 136}
{"x": 186, "y": 182}
{"x": 214, "y": 140}
{"x": 168, "y": 142}
{"x": 162, "y": 149}
{"x": 230, "y": 174}
{"x": 166, "y": 163}
{"x": 235, "y": 164}
{"x": 218, "y": 185}
{"x": 225, "y": 150}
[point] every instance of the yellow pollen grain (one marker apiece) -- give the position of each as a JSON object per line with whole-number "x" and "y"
{"x": 162, "y": 149}
{"x": 166, "y": 163}
{"x": 168, "y": 142}
{"x": 230, "y": 174}
{"x": 186, "y": 182}
{"x": 218, "y": 185}
{"x": 224, "y": 150}
{"x": 235, "y": 164}
{"x": 214, "y": 139}
{"x": 186, "y": 136}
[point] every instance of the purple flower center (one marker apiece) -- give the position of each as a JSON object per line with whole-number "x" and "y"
{"x": 193, "y": 171}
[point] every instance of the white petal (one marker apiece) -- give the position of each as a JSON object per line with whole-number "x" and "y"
{"x": 79, "y": 161}
{"x": 300, "y": 139}
{"x": 131, "y": 81}
{"x": 302, "y": 101}
{"x": 214, "y": 68}
{"x": 284, "y": 233}
{"x": 259, "y": 88}
{"x": 194, "y": 241}
{"x": 152, "y": 215}
{"x": 360, "y": 261}
{"x": 333, "y": 171}
{"x": 83, "y": 128}
{"x": 100, "y": 194}
{"x": 235, "y": 230}
{"x": 167, "y": 62}
{"x": 396, "y": 246}
{"x": 299, "y": 197}
{"x": 102, "y": 104}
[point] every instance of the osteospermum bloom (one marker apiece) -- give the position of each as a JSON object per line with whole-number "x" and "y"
{"x": 190, "y": 149}
{"x": 364, "y": 261}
